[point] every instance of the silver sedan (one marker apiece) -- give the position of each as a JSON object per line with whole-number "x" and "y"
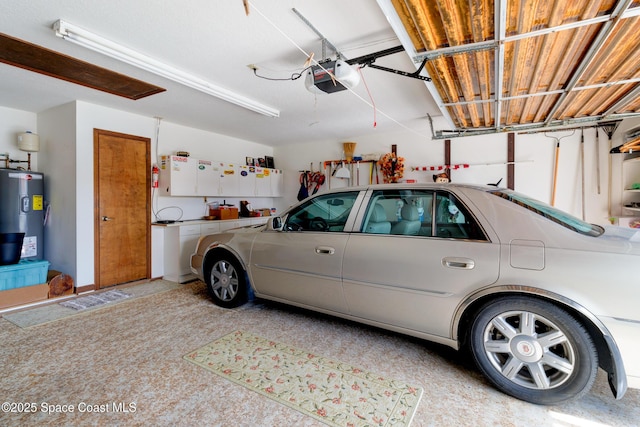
{"x": 540, "y": 298}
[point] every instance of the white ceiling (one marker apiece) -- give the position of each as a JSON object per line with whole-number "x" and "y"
{"x": 215, "y": 40}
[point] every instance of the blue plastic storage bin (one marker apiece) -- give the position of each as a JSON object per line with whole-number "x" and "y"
{"x": 25, "y": 273}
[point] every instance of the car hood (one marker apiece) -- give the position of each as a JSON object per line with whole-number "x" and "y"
{"x": 625, "y": 240}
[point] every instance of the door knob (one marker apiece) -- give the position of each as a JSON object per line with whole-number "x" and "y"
{"x": 106, "y": 218}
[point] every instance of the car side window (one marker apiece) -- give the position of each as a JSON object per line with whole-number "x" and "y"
{"x": 453, "y": 220}
{"x": 327, "y": 212}
{"x": 399, "y": 212}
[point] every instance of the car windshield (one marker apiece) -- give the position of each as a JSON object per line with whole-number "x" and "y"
{"x": 556, "y": 215}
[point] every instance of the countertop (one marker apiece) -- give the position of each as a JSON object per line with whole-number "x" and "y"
{"x": 201, "y": 221}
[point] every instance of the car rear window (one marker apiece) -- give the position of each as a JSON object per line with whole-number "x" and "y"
{"x": 554, "y": 214}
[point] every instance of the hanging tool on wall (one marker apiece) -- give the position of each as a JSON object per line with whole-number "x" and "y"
{"x": 556, "y": 163}
{"x": 303, "y": 192}
{"x": 316, "y": 179}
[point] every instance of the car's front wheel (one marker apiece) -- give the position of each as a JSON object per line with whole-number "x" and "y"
{"x": 225, "y": 280}
{"x": 533, "y": 350}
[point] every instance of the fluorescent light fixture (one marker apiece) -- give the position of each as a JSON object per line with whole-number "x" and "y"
{"x": 101, "y": 45}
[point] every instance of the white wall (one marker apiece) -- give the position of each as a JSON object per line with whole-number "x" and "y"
{"x": 535, "y": 155}
{"x": 58, "y": 160}
{"x": 12, "y": 123}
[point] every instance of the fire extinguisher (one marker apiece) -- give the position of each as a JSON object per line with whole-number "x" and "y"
{"x": 154, "y": 176}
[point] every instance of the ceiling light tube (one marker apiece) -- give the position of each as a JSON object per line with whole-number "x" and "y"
{"x": 106, "y": 47}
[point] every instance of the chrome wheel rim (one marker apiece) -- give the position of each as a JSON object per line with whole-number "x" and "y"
{"x": 224, "y": 280}
{"x": 529, "y": 350}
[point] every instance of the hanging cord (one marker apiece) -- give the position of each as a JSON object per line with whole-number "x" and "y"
{"x": 294, "y": 76}
{"x": 373, "y": 102}
{"x": 154, "y": 192}
{"x": 308, "y": 55}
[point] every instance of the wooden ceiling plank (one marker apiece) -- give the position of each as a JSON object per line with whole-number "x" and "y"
{"x": 446, "y": 85}
{"x": 543, "y": 56}
{"x": 457, "y": 26}
{"x": 628, "y": 99}
{"x": 409, "y": 24}
{"x": 482, "y": 26}
{"x": 500, "y": 13}
{"x": 540, "y": 53}
{"x": 594, "y": 47}
{"x": 618, "y": 59}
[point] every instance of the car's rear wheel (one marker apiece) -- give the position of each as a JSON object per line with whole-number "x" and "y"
{"x": 533, "y": 350}
{"x": 225, "y": 280}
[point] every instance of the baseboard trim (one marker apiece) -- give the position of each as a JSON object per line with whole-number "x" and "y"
{"x": 85, "y": 288}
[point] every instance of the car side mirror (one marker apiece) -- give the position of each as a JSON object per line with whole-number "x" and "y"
{"x": 275, "y": 223}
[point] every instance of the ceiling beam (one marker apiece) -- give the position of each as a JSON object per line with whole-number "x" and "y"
{"x": 552, "y": 92}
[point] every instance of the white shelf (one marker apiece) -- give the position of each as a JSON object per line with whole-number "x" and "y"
{"x": 630, "y": 177}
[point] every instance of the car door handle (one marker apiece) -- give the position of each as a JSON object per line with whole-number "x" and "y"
{"x": 325, "y": 250}
{"x": 455, "y": 262}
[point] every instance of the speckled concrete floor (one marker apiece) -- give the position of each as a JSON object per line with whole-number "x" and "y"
{"x": 131, "y": 353}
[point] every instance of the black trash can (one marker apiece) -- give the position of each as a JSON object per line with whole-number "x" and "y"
{"x": 10, "y": 248}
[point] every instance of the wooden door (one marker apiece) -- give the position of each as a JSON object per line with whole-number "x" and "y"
{"x": 122, "y": 206}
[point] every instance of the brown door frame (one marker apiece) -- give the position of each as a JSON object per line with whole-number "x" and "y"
{"x": 96, "y": 198}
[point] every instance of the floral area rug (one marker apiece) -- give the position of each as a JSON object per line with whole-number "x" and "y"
{"x": 332, "y": 392}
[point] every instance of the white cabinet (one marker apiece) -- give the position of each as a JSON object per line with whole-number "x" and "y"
{"x": 180, "y": 240}
{"x": 228, "y": 179}
{"x": 277, "y": 183}
{"x": 259, "y": 220}
{"x": 179, "y": 243}
{"x": 178, "y": 176}
{"x": 209, "y": 228}
{"x": 157, "y": 252}
{"x": 263, "y": 181}
{"x": 184, "y": 176}
{"x": 246, "y": 181}
{"x": 232, "y": 223}
{"x": 207, "y": 178}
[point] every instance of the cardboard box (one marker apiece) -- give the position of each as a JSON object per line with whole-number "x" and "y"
{"x": 24, "y": 295}
{"x": 224, "y": 212}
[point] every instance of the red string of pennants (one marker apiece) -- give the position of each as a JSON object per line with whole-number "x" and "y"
{"x": 440, "y": 167}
